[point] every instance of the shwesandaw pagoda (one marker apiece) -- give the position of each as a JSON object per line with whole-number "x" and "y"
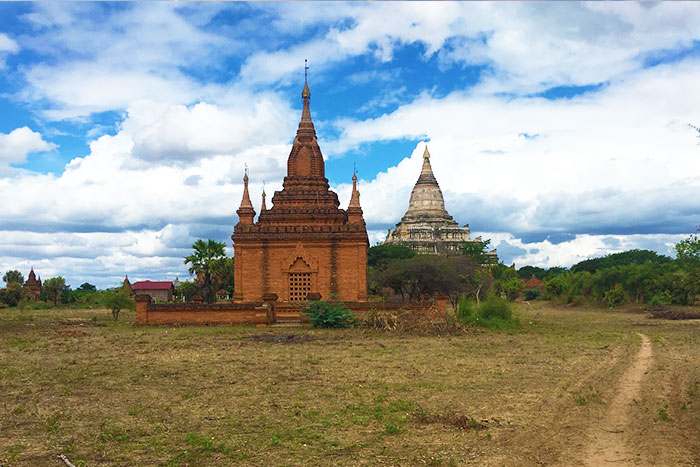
{"x": 427, "y": 227}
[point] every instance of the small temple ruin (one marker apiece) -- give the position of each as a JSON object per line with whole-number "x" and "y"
{"x": 304, "y": 245}
{"x": 427, "y": 227}
{"x": 32, "y": 286}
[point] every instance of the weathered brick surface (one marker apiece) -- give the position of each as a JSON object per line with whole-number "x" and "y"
{"x": 304, "y": 232}
{"x": 258, "y": 313}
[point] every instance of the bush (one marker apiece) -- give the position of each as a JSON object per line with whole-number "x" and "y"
{"x": 496, "y": 307}
{"x": 615, "y": 296}
{"x": 494, "y": 312}
{"x": 324, "y": 314}
{"x": 660, "y": 299}
{"x": 531, "y": 294}
{"x": 466, "y": 309}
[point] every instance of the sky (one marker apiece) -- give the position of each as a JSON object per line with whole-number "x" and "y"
{"x": 559, "y": 131}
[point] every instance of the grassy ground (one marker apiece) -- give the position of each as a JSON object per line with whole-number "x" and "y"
{"x": 103, "y": 393}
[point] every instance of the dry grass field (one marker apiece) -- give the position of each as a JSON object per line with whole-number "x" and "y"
{"x": 74, "y": 382}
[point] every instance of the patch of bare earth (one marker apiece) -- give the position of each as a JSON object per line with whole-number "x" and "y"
{"x": 608, "y": 445}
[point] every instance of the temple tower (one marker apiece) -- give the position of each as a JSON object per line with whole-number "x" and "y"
{"x": 427, "y": 227}
{"x": 304, "y": 243}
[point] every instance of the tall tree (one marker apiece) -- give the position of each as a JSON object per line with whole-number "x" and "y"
{"x": 477, "y": 250}
{"x": 52, "y": 289}
{"x": 13, "y": 276}
{"x": 203, "y": 262}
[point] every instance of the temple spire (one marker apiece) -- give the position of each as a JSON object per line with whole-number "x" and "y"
{"x": 306, "y": 96}
{"x": 245, "y": 212}
{"x": 355, "y": 197}
{"x": 426, "y": 173}
{"x": 354, "y": 209}
{"x": 264, "y": 206}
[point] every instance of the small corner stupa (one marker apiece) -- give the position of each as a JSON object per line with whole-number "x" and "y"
{"x": 427, "y": 227}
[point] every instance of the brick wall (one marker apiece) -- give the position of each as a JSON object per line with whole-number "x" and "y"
{"x": 256, "y": 313}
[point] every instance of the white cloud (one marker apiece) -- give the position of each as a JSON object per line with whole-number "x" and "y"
{"x": 623, "y": 158}
{"x": 16, "y": 145}
{"x": 565, "y": 254}
{"x": 7, "y": 46}
{"x": 98, "y": 257}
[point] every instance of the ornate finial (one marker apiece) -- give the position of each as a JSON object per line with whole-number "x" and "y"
{"x": 426, "y": 154}
{"x": 306, "y": 94}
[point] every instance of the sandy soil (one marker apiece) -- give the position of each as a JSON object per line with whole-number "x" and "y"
{"x": 607, "y": 445}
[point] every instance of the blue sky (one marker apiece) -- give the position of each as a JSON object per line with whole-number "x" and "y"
{"x": 558, "y": 130}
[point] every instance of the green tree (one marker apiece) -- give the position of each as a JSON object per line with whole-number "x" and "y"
{"x": 477, "y": 250}
{"x": 688, "y": 258}
{"x": 117, "y": 301}
{"x": 527, "y": 272}
{"x": 203, "y": 263}
{"x": 13, "y": 276}
{"x": 379, "y": 255}
{"x": 53, "y": 289}
{"x": 87, "y": 287}
{"x": 12, "y": 294}
{"x": 186, "y": 290}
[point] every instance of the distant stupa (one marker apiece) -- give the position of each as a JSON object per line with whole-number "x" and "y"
{"x": 427, "y": 227}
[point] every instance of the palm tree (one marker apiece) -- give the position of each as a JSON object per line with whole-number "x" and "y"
{"x": 203, "y": 263}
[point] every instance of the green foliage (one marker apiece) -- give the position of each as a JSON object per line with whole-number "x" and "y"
{"x": 13, "y": 276}
{"x": 421, "y": 275}
{"x": 620, "y": 259}
{"x": 12, "y": 294}
{"x": 204, "y": 263}
{"x": 531, "y": 294}
{"x": 186, "y": 290}
{"x": 527, "y": 272}
{"x": 615, "y": 296}
{"x": 380, "y": 255}
{"x": 494, "y": 312}
{"x": 476, "y": 250}
{"x": 117, "y": 301}
{"x": 326, "y": 314}
{"x": 55, "y": 290}
{"x": 87, "y": 287}
{"x": 496, "y": 307}
{"x": 509, "y": 288}
{"x": 556, "y": 286}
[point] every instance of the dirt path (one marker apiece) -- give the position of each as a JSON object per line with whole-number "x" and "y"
{"x": 608, "y": 446}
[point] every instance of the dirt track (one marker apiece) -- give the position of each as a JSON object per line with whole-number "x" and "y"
{"x": 608, "y": 445}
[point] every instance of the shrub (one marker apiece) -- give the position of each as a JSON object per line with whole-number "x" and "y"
{"x": 661, "y": 299}
{"x": 615, "y": 296}
{"x": 531, "y": 294}
{"x": 496, "y": 307}
{"x": 324, "y": 314}
{"x": 465, "y": 309}
{"x": 494, "y": 312}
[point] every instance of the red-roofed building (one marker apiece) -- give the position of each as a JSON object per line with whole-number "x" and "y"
{"x": 223, "y": 296}
{"x": 161, "y": 291}
{"x": 533, "y": 283}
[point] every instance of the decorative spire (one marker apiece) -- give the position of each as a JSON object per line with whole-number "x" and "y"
{"x": 264, "y": 206}
{"x": 305, "y": 159}
{"x": 306, "y": 112}
{"x": 426, "y": 196}
{"x": 306, "y": 94}
{"x": 245, "y": 212}
{"x": 355, "y": 197}
{"x": 354, "y": 209}
{"x": 426, "y": 173}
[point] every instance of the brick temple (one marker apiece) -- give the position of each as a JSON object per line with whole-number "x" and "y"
{"x": 32, "y": 287}
{"x": 304, "y": 244}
